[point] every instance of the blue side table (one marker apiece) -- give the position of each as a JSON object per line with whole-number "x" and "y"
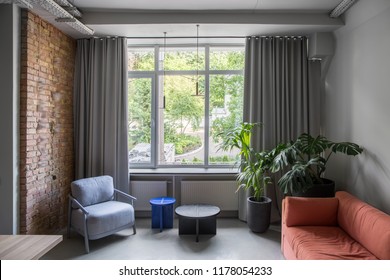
{"x": 162, "y": 212}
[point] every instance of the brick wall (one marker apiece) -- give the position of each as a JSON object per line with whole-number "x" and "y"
{"x": 46, "y": 125}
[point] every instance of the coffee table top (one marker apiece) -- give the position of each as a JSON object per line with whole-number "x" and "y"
{"x": 197, "y": 211}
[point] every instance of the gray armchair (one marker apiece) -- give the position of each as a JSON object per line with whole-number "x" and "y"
{"x": 94, "y": 211}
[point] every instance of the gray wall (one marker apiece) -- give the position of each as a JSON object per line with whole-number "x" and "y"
{"x": 357, "y": 101}
{"x": 9, "y": 92}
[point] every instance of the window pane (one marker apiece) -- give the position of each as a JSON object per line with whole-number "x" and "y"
{"x": 227, "y": 58}
{"x": 140, "y": 111}
{"x": 226, "y": 109}
{"x": 182, "y": 134}
{"x": 183, "y": 59}
{"x": 141, "y": 59}
{"x": 180, "y": 123}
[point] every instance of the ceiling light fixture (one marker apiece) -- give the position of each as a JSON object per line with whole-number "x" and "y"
{"x": 341, "y": 8}
{"x": 62, "y": 15}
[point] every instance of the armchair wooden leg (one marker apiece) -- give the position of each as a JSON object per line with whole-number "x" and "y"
{"x": 134, "y": 229}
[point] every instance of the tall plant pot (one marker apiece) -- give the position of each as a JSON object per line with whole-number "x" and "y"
{"x": 258, "y": 214}
{"x": 326, "y": 189}
{"x": 243, "y": 195}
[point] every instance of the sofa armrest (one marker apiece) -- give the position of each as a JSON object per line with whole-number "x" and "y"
{"x": 310, "y": 211}
{"x": 366, "y": 224}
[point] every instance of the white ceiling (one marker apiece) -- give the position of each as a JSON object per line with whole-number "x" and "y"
{"x": 151, "y": 18}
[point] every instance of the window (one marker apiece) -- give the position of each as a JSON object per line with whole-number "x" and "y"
{"x": 180, "y": 101}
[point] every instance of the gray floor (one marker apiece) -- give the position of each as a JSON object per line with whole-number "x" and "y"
{"x": 233, "y": 241}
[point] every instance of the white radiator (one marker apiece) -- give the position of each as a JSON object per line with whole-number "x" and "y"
{"x": 145, "y": 190}
{"x": 220, "y": 193}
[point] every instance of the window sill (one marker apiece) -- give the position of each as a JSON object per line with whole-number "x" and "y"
{"x": 173, "y": 171}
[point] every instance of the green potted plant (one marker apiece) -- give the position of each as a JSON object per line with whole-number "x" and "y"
{"x": 305, "y": 161}
{"x": 253, "y": 174}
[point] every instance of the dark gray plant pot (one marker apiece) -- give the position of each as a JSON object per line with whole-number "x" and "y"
{"x": 327, "y": 189}
{"x": 258, "y": 214}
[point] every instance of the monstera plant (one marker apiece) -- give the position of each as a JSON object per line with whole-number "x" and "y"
{"x": 304, "y": 162}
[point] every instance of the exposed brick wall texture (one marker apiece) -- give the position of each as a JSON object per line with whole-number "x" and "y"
{"x": 46, "y": 125}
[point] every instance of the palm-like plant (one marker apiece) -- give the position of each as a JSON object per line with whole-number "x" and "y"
{"x": 306, "y": 159}
{"x": 254, "y": 166}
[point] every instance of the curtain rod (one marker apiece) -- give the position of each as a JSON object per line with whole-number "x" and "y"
{"x": 191, "y": 37}
{"x": 215, "y": 37}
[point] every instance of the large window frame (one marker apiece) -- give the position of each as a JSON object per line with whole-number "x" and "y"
{"x": 155, "y": 77}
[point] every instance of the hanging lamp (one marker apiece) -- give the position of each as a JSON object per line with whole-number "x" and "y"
{"x": 163, "y": 64}
{"x": 197, "y": 93}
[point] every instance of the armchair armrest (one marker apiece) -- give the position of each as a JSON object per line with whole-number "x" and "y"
{"x": 74, "y": 200}
{"x": 310, "y": 211}
{"x": 125, "y": 195}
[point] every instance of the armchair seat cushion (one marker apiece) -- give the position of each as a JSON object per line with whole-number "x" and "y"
{"x": 324, "y": 243}
{"x": 104, "y": 218}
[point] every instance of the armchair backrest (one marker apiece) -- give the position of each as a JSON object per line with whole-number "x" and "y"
{"x": 93, "y": 190}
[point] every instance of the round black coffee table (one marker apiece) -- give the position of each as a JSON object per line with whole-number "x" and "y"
{"x": 198, "y": 219}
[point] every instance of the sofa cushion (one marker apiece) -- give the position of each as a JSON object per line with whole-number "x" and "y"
{"x": 104, "y": 218}
{"x": 366, "y": 224}
{"x": 312, "y": 211}
{"x": 94, "y": 190}
{"x": 324, "y": 243}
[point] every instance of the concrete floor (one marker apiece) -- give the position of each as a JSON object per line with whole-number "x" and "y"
{"x": 233, "y": 241}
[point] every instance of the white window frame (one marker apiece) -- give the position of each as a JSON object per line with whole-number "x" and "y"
{"x": 155, "y": 75}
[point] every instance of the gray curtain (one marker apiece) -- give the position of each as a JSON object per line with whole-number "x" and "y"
{"x": 100, "y": 110}
{"x": 282, "y": 91}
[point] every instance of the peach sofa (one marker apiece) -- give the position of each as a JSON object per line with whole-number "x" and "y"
{"x": 341, "y": 227}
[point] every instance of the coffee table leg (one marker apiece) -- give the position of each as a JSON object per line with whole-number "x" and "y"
{"x": 161, "y": 218}
{"x": 197, "y": 230}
